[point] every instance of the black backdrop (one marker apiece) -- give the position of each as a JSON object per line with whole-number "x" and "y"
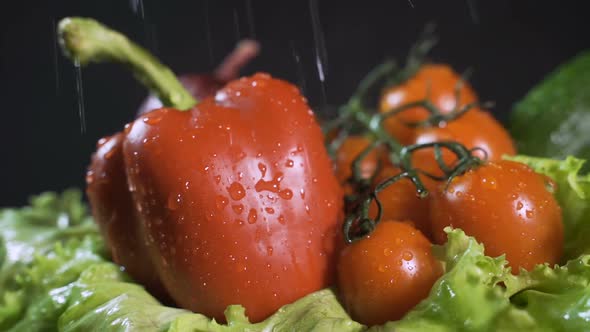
{"x": 510, "y": 45}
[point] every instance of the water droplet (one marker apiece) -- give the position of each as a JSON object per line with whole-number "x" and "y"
{"x": 282, "y": 219}
{"x": 407, "y": 256}
{"x": 387, "y": 252}
{"x": 262, "y": 168}
{"x": 489, "y": 182}
{"x": 217, "y": 178}
{"x": 152, "y": 120}
{"x": 236, "y": 191}
{"x": 382, "y": 267}
{"x": 252, "y": 216}
{"x": 221, "y": 202}
{"x": 269, "y": 210}
{"x": 127, "y": 128}
{"x": 286, "y": 194}
{"x": 269, "y": 250}
{"x": 302, "y": 193}
{"x": 109, "y": 154}
{"x": 89, "y": 177}
{"x": 529, "y": 213}
{"x": 238, "y": 208}
{"x": 519, "y": 205}
{"x": 314, "y": 180}
{"x": 289, "y": 163}
{"x": 174, "y": 201}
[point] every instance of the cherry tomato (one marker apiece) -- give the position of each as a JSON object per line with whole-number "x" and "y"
{"x": 474, "y": 129}
{"x": 436, "y": 82}
{"x": 347, "y": 153}
{"x": 400, "y": 202}
{"x": 506, "y": 206}
{"x": 384, "y": 275}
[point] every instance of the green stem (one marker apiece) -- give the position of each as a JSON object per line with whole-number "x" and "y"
{"x": 85, "y": 40}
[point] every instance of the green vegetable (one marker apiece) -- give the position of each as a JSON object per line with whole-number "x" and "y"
{"x": 573, "y": 195}
{"x": 553, "y": 119}
{"x": 43, "y": 247}
{"x": 55, "y": 276}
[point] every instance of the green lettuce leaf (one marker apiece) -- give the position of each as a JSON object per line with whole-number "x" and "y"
{"x": 43, "y": 246}
{"x": 553, "y": 119}
{"x": 573, "y": 195}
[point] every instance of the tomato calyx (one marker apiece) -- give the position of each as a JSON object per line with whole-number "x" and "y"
{"x": 358, "y": 222}
{"x": 437, "y": 117}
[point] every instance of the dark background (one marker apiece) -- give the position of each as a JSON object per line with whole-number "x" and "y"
{"x": 511, "y": 45}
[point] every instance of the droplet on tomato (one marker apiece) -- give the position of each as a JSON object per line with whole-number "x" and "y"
{"x": 152, "y": 120}
{"x": 269, "y": 210}
{"x": 282, "y": 219}
{"x": 387, "y": 252}
{"x": 407, "y": 256}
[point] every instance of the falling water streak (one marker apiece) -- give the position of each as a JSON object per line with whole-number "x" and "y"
{"x": 237, "y": 25}
{"x": 80, "y": 91}
{"x": 208, "y": 31}
{"x": 55, "y": 58}
{"x": 299, "y": 67}
{"x": 250, "y": 16}
{"x": 152, "y": 39}
{"x": 411, "y": 4}
{"x": 137, "y": 7}
{"x": 321, "y": 55}
{"x": 473, "y": 11}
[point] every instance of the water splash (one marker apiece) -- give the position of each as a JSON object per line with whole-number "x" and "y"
{"x": 208, "y": 30}
{"x": 411, "y": 4}
{"x": 321, "y": 55}
{"x": 299, "y": 67}
{"x": 237, "y": 25}
{"x": 250, "y": 16}
{"x": 55, "y": 55}
{"x": 80, "y": 93}
{"x": 473, "y": 11}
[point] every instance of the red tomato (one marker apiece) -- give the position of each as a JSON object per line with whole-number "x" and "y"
{"x": 237, "y": 197}
{"x": 384, "y": 275}
{"x": 400, "y": 202}
{"x": 506, "y": 206}
{"x": 474, "y": 129}
{"x": 436, "y": 82}
{"x": 352, "y": 147}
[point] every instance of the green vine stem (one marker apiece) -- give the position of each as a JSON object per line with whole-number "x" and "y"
{"x": 85, "y": 40}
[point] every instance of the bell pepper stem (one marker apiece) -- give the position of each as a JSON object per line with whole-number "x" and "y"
{"x": 85, "y": 40}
